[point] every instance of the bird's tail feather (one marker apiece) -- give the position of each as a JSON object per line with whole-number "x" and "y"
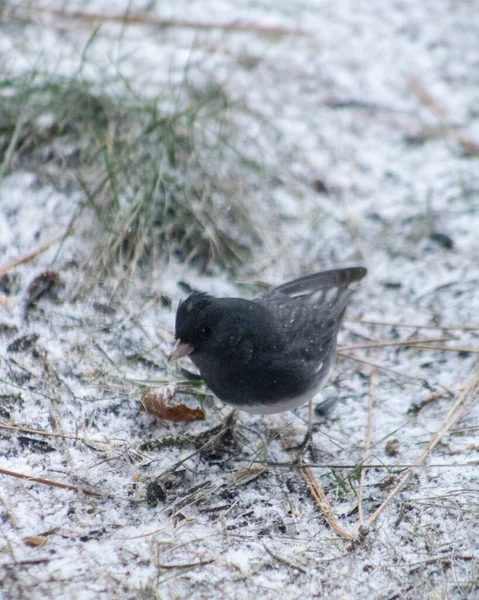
{"x": 336, "y": 278}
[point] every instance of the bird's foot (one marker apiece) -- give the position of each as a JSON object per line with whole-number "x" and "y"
{"x": 300, "y": 449}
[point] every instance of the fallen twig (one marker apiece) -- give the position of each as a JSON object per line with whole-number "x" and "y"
{"x": 472, "y": 349}
{"x": 324, "y": 505}
{"x": 469, "y": 146}
{"x": 21, "y": 260}
{"x": 317, "y": 493}
{"x": 417, "y": 406}
{"x": 65, "y": 486}
{"x": 414, "y": 325}
{"x": 456, "y": 410}
{"x": 31, "y": 561}
{"x": 367, "y": 445}
{"x": 419, "y": 89}
{"x": 411, "y": 342}
{"x": 430, "y": 561}
{"x": 352, "y": 467}
{"x": 283, "y": 560}
{"x": 145, "y": 19}
{"x": 201, "y": 563}
{"x": 67, "y": 436}
{"x": 219, "y": 433}
{"x": 417, "y": 380}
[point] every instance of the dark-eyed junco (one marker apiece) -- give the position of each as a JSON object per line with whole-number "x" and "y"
{"x": 270, "y": 354}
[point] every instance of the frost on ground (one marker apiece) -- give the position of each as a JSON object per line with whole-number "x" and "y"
{"x": 377, "y": 108}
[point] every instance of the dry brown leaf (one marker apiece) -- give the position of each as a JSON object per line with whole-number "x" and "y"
{"x": 35, "y": 540}
{"x": 156, "y": 405}
{"x": 41, "y": 284}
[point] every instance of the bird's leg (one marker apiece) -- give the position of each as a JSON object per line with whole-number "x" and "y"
{"x": 300, "y": 448}
{"x": 228, "y": 424}
{"x": 219, "y": 434}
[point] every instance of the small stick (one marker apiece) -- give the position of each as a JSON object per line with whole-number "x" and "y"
{"x": 413, "y": 325}
{"x": 432, "y": 560}
{"x": 31, "y": 561}
{"x": 21, "y": 260}
{"x": 39, "y": 431}
{"x": 144, "y": 19}
{"x": 416, "y": 380}
{"x": 389, "y": 467}
{"x": 470, "y": 146}
{"x": 411, "y": 342}
{"x": 68, "y": 436}
{"x": 317, "y": 493}
{"x": 284, "y": 561}
{"x": 9, "y": 514}
{"x": 472, "y": 349}
{"x": 367, "y": 446}
{"x": 222, "y": 430}
{"x": 49, "y": 482}
{"x": 324, "y": 505}
{"x": 456, "y": 410}
{"x": 427, "y": 99}
{"x": 201, "y": 563}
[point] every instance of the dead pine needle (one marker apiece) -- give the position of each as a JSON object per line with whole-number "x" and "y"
{"x": 66, "y": 436}
{"x": 145, "y": 19}
{"x": 470, "y": 146}
{"x": 323, "y": 503}
{"x": 416, "y": 380}
{"x": 414, "y": 325}
{"x": 471, "y": 349}
{"x": 456, "y": 410}
{"x": 416, "y": 343}
{"x": 57, "y": 484}
{"x": 418, "y": 88}
{"x": 283, "y": 560}
{"x": 367, "y": 445}
{"x": 29, "y": 256}
{"x": 317, "y": 493}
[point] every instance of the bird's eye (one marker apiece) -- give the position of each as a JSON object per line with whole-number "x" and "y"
{"x": 205, "y": 332}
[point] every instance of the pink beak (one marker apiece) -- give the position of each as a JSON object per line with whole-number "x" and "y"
{"x": 181, "y": 349}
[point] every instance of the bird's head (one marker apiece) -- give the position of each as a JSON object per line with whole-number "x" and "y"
{"x": 197, "y": 325}
{"x": 221, "y": 329}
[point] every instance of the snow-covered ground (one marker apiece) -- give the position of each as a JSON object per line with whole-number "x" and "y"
{"x": 378, "y": 103}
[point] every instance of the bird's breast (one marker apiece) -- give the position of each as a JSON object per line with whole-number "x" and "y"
{"x": 263, "y": 386}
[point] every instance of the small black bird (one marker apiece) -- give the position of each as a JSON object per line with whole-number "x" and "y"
{"x": 270, "y": 354}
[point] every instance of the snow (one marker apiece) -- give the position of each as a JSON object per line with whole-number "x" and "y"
{"x": 265, "y": 538}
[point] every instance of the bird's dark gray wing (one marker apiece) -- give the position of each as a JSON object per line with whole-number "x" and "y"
{"x": 309, "y": 321}
{"x": 309, "y": 310}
